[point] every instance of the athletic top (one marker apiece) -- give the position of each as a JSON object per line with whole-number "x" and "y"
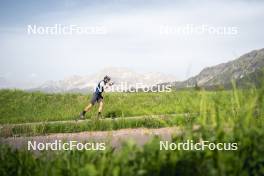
{"x": 100, "y": 87}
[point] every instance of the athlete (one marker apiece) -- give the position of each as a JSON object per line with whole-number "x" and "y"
{"x": 97, "y": 97}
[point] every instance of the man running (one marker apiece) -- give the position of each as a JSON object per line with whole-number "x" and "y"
{"x": 97, "y": 97}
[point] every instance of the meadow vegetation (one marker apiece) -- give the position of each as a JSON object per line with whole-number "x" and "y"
{"x": 223, "y": 116}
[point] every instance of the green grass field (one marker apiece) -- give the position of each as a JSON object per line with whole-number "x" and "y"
{"x": 180, "y": 108}
{"x": 18, "y": 107}
{"x": 224, "y": 116}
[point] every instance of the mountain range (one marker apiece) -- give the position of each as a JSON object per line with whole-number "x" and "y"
{"x": 120, "y": 76}
{"x": 4, "y": 83}
{"x": 246, "y": 71}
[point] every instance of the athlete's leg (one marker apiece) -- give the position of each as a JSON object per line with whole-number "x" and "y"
{"x": 88, "y": 107}
{"x": 101, "y": 104}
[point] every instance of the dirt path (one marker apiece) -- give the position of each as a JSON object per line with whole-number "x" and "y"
{"x": 87, "y": 120}
{"x": 112, "y": 138}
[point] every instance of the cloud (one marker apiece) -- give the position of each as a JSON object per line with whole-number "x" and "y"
{"x": 33, "y": 75}
{"x": 133, "y": 39}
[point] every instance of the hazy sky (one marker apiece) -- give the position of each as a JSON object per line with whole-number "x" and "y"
{"x": 133, "y": 36}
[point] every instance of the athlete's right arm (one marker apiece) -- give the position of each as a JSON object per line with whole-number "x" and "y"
{"x": 111, "y": 83}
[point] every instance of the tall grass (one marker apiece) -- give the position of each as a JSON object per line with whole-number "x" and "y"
{"x": 149, "y": 160}
{"x": 226, "y": 116}
{"x": 19, "y": 107}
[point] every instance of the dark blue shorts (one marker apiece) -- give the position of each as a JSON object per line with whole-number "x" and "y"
{"x": 96, "y": 98}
